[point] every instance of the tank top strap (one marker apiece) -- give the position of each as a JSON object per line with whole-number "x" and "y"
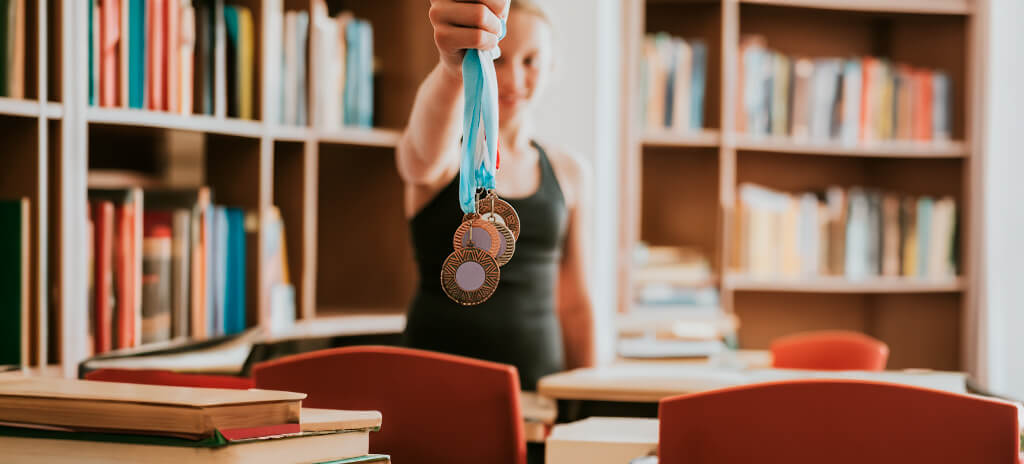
{"x": 549, "y": 184}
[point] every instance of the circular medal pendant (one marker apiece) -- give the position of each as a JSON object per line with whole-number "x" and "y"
{"x": 470, "y": 276}
{"x": 502, "y": 210}
{"x": 477, "y": 233}
{"x": 506, "y": 244}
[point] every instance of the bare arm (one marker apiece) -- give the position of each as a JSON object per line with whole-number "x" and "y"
{"x": 427, "y": 152}
{"x": 575, "y": 309}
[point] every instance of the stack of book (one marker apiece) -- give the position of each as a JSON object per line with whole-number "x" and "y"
{"x": 856, "y": 233}
{"x": 172, "y": 268}
{"x": 162, "y": 55}
{"x": 848, "y": 100}
{"x": 342, "y": 57}
{"x": 295, "y": 32}
{"x": 673, "y": 73}
{"x": 13, "y": 47}
{"x": 14, "y": 278}
{"x": 676, "y": 311}
{"x": 58, "y": 420}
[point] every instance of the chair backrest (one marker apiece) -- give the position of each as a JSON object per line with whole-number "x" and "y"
{"x": 830, "y": 350}
{"x": 835, "y": 421}
{"x": 163, "y": 377}
{"x": 436, "y": 407}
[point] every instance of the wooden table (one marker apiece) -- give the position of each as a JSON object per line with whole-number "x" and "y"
{"x": 649, "y": 382}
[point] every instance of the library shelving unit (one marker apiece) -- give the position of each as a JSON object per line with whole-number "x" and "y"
{"x": 338, "y": 190}
{"x": 683, "y": 186}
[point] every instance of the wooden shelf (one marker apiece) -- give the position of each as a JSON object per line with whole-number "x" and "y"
{"x": 953, "y": 149}
{"x": 291, "y": 133}
{"x": 362, "y": 137}
{"x": 159, "y": 120}
{"x": 19, "y": 107}
{"x": 664, "y": 138}
{"x": 947, "y": 7}
{"x": 844, "y": 285}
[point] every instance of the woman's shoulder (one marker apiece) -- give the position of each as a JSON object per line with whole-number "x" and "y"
{"x": 572, "y": 170}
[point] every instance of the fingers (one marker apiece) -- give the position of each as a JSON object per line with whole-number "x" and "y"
{"x": 458, "y": 38}
{"x": 466, "y": 15}
{"x": 496, "y": 6}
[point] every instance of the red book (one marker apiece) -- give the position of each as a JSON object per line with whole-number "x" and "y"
{"x": 125, "y": 305}
{"x": 923, "y": 105}
{"x": 171, "y": 40}
{"x": 103, "y": 283}
{"x": 156, "y": 55}
{"x": 110, "y": 38}
{"x": 869, "y": 69}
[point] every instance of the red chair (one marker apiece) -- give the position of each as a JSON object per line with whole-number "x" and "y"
{"x": 436, "y": 407}
{"x": 162, "y": 377}
{"x": 830, "y": 350}
{"x": 838, "y": 422}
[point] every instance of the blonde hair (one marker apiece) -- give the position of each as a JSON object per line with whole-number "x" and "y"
{"x": 532, "y": 7}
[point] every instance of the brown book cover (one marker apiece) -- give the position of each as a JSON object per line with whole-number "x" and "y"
{"x": 156, "y": 277}
{"x": 800, "y": 113}
{"x": 837, "y": 207}
{"x": 151, "y": 409}
{"x": 103, "y": 275}
{"x": 890, "y": 235}
{"x": 908, "y": 238}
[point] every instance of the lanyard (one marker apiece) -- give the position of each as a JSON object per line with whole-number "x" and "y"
{"x": 479, "y": 160}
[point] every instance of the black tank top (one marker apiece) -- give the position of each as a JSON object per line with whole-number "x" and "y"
{"x": 518, "y": 325}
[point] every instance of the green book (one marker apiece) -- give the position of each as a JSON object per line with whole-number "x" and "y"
{"x": 5, "y": 31}
{"x": 14, "y": 248}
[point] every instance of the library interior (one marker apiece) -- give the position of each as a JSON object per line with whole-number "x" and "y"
{"x": 511, "y": 231}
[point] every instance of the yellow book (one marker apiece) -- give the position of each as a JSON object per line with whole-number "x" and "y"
{"x": 246, "y": 64}
{"x": 908, "y": 219}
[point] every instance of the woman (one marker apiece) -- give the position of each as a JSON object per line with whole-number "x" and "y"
{"x": 540, "y": 318}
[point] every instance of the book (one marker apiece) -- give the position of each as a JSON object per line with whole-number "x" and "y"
{"x": 110, "y": 36}
{"x": 157, "y": 56}
{"x": 908, "y": 219}
{"x": 181, "y": 254}
{"x": 103, "y": 275}
{"x": 16, "y": 42}
{"x": 890, "y": 235}
{"x": 94, "y": 55}
{"x": 158, "y": 410}
{"x": 124, "y": 52}
{"x": 234, "y": 286}
{"x": 600, "y": 440}
{"x": 137, "y": 15}
{"x": 14, "y": 277}
{"x": 698, "y": 83}
{"x": 186, "y": 58}
{"x": 240, "y": 61}
{"x": 924, "y": 230}
{"x": 157, "y": 277}
{"x": 172, "y": 40}
{"x": 127, "y": 255}
{"x": 204, "y": 58}
{"x": 232, "y": 73}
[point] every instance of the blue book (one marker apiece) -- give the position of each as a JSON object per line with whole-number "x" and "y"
{"x": 667, "y": 46}
{"x": 366, "y": 90}
{"x": 924, "y": 229}
{"x": 231, "y": 29}
{"x": 699, "y": 52}
{"x": 234, "y": 292}
{"x": 136, "y": 53}
{"x": 353, "y": 70}
{"x": 92, "y": 58}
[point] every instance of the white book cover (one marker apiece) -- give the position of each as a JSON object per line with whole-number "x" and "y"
{"x": 288, "y": 87}
{"x": 682, "y": 91}
{"x": 850, "y": 130}
{"x": 857, "y": 230}
{"x": 809, "y": 239}
{"x": 301, "y": 39}
{"x": 186, "y": 52}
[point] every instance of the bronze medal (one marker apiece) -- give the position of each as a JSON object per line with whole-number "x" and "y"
{"x": 477, "y": 233}
{"x": 491, "y": 205}
{"x": 506, "y": 244}
{"x": 470, "y": 276}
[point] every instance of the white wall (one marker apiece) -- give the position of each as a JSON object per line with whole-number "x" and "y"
{"x": 579, "y": 112}
{"x": 1003, "y": 294}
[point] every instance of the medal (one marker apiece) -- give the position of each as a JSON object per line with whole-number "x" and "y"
{"x": 493, "y": 208}
{"x": 478, "y": 233}
{"x": 470, "y": 275}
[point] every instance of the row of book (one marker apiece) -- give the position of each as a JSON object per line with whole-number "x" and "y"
{"x": 673, "y": 75}
{"x": 162, "y": 55}
{"x": 342, "y": 48}
{"x": 14, "y": 278}
{"x": 170, "y": 264}
{"x": 13, "y": 35}
{"x": 68, "y": 421}
{"x": 856, "y": 233}
{"x": 850, "y": 100}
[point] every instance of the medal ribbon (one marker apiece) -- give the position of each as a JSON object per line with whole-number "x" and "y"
{"x": 479, "y": 160}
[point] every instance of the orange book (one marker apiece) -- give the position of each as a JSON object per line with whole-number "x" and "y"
{"x": 103, "y": 240}
{"x": 157, "y": 60}
{"x": 172, "y": 37}
{"x": 923, "y": 105}
{"x": 868, "y": 91}
{"x": 125, "y": 273}
{"x": 110, "y": 36}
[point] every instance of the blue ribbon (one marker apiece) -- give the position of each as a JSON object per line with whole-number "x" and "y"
{"x": 479, "y": 123}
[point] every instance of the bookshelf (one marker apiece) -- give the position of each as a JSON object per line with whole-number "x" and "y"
{"x": 57, "y": 146}
{"x": 685, "y": 184}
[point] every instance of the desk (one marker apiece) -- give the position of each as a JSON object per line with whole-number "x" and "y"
{"x": 649, "y": 382}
